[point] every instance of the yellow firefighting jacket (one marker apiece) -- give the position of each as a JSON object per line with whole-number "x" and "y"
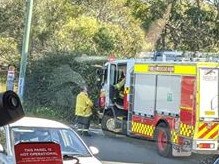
{"x": 83, "y": 105}
{"x": 120, "y": 86}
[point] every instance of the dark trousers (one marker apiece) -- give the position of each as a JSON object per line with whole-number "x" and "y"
{"x": 114, "y": 96}
{"x": 83, "y": 123}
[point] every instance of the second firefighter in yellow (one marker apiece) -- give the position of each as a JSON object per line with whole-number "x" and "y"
{"x": 83, "y": 111}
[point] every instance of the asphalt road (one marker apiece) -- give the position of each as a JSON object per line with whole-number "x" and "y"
{"x": 120, "y": 149}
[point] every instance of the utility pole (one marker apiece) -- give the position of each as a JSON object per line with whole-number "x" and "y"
{"x": 25, "y": 47}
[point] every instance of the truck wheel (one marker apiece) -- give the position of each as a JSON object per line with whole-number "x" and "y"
{"x": 163, "y": 140}
{"x": 107, "y": 125}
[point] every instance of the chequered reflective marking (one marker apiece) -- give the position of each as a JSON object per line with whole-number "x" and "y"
{"x": 186, "y": 130}
{"x": 144, "y": 129}
{"x": 174, "y": 136}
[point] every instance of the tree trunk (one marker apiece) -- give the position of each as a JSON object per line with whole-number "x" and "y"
{"x": 155, "y": 30}
{"x": 198, "y": 3}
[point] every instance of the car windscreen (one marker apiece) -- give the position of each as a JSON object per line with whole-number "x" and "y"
{"x": 68, "y": 140}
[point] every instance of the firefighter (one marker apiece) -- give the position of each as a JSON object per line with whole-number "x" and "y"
{"x": 83, "y": 111}
{"x": 120, "y": 87}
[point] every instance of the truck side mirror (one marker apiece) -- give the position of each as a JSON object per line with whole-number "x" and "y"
{"x": 10, "y": 108}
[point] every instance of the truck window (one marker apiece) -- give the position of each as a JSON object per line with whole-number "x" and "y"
{"x": 121, "y": 72}
{"x": 105, "y": 71}
{"x": 112, "y": 74}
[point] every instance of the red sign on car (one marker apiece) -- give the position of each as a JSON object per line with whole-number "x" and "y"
{"x": 38, "y": 152}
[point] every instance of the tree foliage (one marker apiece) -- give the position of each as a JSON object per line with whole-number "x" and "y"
{"x": 55, "y": 87}
{"x": 75, "y": 26}
{"x": 189, "y": 26}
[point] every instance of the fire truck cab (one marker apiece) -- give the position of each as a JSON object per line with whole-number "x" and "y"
{"x": 173, "y": 103}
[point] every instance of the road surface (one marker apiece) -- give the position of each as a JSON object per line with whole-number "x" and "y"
{"x": 120, "y": 149}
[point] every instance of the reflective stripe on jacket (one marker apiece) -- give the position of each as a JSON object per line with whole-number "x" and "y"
{"x": 83, "y": 105}
{"x": 120, "y": 86}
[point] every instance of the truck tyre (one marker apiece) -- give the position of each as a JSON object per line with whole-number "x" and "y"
{"x": 105, "y": 127}
{"x": 163, "y": 140}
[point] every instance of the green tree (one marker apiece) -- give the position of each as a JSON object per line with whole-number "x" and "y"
{"x": 180, "y": 25}
{"x": 8, "y": 51}
{"x": 104, "y": 40}
{"x": 10, "y": 31}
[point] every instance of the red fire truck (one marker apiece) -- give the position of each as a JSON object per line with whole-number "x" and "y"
{"x": 173, "y": 103}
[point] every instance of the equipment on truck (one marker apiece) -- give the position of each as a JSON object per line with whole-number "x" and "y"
{"x": 174, "y": 103}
